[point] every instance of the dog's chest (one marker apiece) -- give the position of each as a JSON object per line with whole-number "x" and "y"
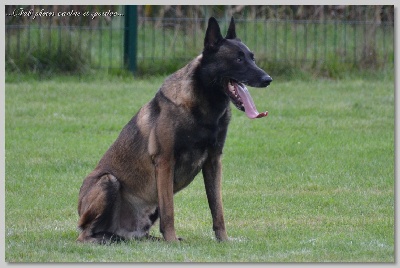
{"x": 188, "y": 165}
{"x": 192, "y": 146}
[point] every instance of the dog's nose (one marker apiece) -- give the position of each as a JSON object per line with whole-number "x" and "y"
{"x": 266, "y": 80}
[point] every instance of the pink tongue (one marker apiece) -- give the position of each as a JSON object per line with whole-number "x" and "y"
{"x": 249, "y": 106}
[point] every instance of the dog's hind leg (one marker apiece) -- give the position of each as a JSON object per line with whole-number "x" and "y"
{"x": 97, "y": 204}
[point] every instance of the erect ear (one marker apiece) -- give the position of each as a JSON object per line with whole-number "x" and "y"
{"x": 213, "y": 35}
{"x": 231, "y": 34}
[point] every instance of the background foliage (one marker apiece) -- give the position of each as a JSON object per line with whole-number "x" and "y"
{"x": 322, "y": 40}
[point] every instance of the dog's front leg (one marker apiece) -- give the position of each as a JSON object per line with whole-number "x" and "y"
{"x": 165, "y": 191}
{"x": 212, "y": 173}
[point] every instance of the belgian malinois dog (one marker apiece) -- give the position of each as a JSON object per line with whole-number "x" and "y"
{"x": 173, "y": 137}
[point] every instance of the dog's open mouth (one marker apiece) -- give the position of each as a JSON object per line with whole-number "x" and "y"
{"x": 240, "y": 96}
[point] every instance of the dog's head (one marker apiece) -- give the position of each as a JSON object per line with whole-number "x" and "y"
{"x": 233, "y": 66}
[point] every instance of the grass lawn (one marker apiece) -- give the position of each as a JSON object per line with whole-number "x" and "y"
{"x": 311, "y": 182}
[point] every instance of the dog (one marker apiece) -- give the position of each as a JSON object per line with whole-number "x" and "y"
{"x": 177, "y": 134}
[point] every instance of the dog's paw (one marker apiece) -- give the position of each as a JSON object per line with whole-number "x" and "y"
{"x": 175, "y": 239}
{"x": 221, "y": 236}
{"x": 152, "y": 238}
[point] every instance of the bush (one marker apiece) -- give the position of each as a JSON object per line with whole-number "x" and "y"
{"x": 50, "y": 54}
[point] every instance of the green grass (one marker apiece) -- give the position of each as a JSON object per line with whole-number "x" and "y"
{"x": 312, "y": 182}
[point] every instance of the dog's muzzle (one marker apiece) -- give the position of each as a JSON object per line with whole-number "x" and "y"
{"x": 241, "y": 98}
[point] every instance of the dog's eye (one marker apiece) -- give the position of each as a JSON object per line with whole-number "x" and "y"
{"x": 252, "y": 57}
{"x": 240, "y": 56}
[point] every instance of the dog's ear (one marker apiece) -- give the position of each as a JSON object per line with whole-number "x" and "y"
{"x": 231, "y": 34}
{"x": 213, "y": 35}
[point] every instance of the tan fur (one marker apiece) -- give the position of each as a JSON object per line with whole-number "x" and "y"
{"x": 178, "y": 87}
{"x": 144, "y": 122}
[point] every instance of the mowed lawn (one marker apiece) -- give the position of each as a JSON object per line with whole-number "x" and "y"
{"x": 311, "y": 182}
